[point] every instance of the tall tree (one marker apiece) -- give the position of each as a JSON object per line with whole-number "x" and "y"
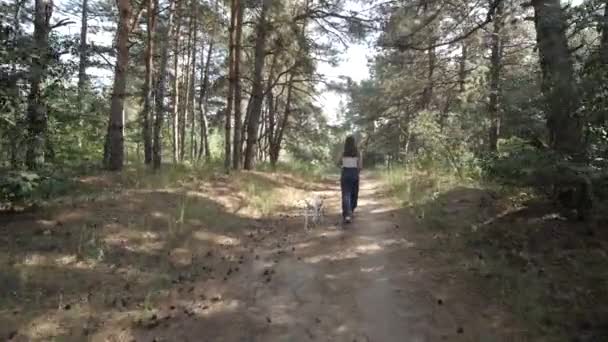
{"x": 147, "y": 113}
{"x": 176, "y": 93}
{"x": 203, "y": 96}
{"x": 234, "y": 4}
{"x": 237, "y": 149}
{"x": 257, "y": 87}
{"x": 558, "y": 83}
{"x": 462, "y": 68}
{"x": 83, "y": 62}
{"x": 161, "y": 87}
{"x": 115, "y": 141}
{"x": 204, "y": 125}
{"x": 83, "y": 52}
{"x": 185, "y": 107}
{"x": 275, "y": 146}
{"x": 495, "y": 67}
{"x": 37, "y": 108}
{"x": 192, "y": 100}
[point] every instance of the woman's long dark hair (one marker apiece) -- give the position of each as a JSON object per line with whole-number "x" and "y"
{"x": 350, "y": 147}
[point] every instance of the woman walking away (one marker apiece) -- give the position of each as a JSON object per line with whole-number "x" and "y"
{"x": 349, "y": 180}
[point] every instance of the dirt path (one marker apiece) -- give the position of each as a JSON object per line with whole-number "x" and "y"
{"x": 221, "y": 276}
{"x": 371, "y": 281}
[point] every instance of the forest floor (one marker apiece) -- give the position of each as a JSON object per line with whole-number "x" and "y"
{"x": 228, "y": 259}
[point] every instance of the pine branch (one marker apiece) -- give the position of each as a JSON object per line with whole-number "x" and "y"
{"x": 408, "y": 46}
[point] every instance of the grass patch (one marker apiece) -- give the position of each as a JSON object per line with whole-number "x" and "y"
{"x": 411, "y": 187}
{"x": 306, "y": 171}
{"x": 140, "y": 176}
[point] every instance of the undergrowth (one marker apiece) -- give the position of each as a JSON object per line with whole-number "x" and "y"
{"x": 413, "y": 186}
{"x": 550, "y": 272}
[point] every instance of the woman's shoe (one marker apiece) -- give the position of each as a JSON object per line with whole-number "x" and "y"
{"x": 348, "y": 219}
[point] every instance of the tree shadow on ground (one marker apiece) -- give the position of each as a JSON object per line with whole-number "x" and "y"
{"x": 81, "y": 271}
{"x": 526, "y": 256}
{"x": 180, "y": 265}
{"x": 124, "y": 249}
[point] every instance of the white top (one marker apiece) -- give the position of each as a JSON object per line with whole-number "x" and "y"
{"x": 350, "y": 162}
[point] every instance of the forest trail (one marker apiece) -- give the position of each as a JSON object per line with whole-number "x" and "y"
{"x": 377, "y": 279}
{"x": 371, "y": 280}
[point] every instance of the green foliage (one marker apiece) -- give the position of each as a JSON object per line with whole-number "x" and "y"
{"x": 517, "y": 162}
{"x": 77, "y": 134}
{"x": 448, "y": 148}
{"x": 17, "y": 186}
{"x": 23, "y": 188}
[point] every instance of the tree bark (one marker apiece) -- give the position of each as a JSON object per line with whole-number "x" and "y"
{"x": 231, "y": 83}
{"x": 37, "y": 110}
{"x": 147, "y": 112}
{"x": 427, "y": 93}
{"x": 175, "y": 116}
{"x": 271, "y": 124}
{"x": 161, "y": 88}
{"x": 115, "y": 127}
{"x": 82, "y": 50}
{"x": 257, "y": 88}
{"x": 204, "y": 145}
{"x": 270, "y": 104}
{"x": 462, "y": 72}
{"x": 192, "y": 100}
{"x": 238, "y": 124}
{"x": 82, "y": 64}
{"x": 558, "y": 83}
{"x": 186, "y": 90}
{"x": 275, "y": 148}
{"x": 495, "y": 68}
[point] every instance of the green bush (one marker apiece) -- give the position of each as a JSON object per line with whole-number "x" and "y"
{"x": 18, "y": 186}
{"x": 517, "y": 162}
{"x": 443, "y": 149}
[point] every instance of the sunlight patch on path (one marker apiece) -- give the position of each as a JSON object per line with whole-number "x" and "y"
{"x": 218, "y": 239}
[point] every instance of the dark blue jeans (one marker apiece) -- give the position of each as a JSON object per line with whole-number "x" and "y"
{"x": 349, "y": 182}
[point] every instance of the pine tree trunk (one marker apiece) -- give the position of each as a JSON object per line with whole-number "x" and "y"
{"x": 244, "y": 126}
{"x": 175, "y": 116}
{"x": 257, "y": 88}
{"x": 82, "y": 65}
{"x": 269, "y": 118}
{"x": 231, "y": 83}
{"x": 558, "y": 83}
{"x": 192, "y": 100}
{"x": 147, "y": 112}
{"x": 271, "y": 125}
{"x": 82, "y": 51}
{"x": 427, "y": 93}
{"x": 161, "y": 88}
{"x": 186, "y": 98}
{"x": 495, "y": 68}
{"x": 115, "y": 128}
{"x": 462, "y": 72}
{"x": 238, "y": 124}
{"x": 204, "y": 145}
{"x": 275, "y": 148}
{"x": 37, "y": 111}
